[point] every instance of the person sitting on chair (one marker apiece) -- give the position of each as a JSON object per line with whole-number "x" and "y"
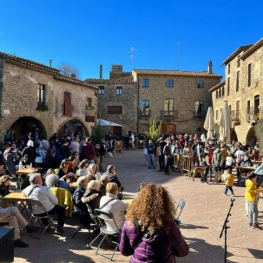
{"x": 13, "y": 217}
{"x": 24, "y": 162}
{"x": 104, "y": 180}
{"x": 117, "y": 208}
{"x": 50, "y": 202}
{"x": 111, "y": 172}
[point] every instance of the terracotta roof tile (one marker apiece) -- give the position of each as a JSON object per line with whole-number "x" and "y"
{"x": 28, "y": 63}
{"x": 110, "y": 81}
{"x": 219, "y": 85}
{"x": 154, "y": 72}
{"x": 74, "y": 81}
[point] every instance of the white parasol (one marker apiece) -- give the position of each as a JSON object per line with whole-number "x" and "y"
{"x": 209, "y": 123}
{"x": 224, "y": 123}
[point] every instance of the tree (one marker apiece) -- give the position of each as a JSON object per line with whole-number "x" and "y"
{"x": 67, "y": 69}
{"x": 154, "y": 131}
{"x": 96, "y": 133}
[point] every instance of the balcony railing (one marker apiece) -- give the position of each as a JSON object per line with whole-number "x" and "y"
{"x": 234, "y": 115}
{"x": 173, "y": 114}
{"x": 253, "y": 115}
{"x": 144, "y": 113}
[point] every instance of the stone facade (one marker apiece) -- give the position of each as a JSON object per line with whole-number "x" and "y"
{"x": 19, "y": 96}
{"x": 186, "y": 89}
{"x": 111, "y": 96}
{"x": 242, "y": 89}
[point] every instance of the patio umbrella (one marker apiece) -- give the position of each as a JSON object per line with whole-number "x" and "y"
{"x": 102, "y": 122}
{"x": 209, "y": 123}
{"x": 224, "y": 123}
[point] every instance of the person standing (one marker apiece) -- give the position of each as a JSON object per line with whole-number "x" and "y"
{"x": 229, "y": 178}
{"x": 161, "y": 154}
{"x": 88, "y": 151}
{"x": 150, "y": 153}
{"x": 167, "y": 156}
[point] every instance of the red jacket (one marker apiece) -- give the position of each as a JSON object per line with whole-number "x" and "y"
{"x": 88, "y": 151}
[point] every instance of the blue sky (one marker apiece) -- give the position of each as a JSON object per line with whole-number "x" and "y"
{"x": 167, "y": 34}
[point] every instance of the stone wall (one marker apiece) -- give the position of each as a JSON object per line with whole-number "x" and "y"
{"x": 19, "y": 96}
{"x": 243, "y": 128}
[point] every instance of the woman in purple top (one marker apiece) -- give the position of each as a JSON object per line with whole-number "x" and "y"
{"x": 150, "y": 233}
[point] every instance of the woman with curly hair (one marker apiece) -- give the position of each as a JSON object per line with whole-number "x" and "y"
{"x": 150, "y": 233}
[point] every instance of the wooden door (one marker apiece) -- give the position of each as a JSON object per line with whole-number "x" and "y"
{"x": 168, "y": 128}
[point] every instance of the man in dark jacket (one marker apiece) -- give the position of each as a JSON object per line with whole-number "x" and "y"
{"x": 88, "y": 151}
{"x": 64, "y": 150}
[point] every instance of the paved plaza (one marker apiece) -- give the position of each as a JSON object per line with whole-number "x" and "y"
{"x": 202, "y": 220}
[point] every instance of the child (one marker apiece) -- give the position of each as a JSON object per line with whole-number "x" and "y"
{"x": 229, "y": 179}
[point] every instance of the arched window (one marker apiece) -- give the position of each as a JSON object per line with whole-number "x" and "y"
{"x": 168, "y": 107}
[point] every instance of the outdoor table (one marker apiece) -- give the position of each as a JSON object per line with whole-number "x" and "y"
{"x": 245, "y": 169}
{"x": 17, "y": 197}
{"x": 25, "y": 172}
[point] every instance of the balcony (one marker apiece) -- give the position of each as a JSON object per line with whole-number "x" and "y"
{"x": 169, "y": 115}
{"x": 234, "y": 115}
{"x": 253, "y": 115}
{"x": 144, "y": 114}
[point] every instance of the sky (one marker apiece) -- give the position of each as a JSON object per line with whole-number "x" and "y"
{"x": 164, "y": 35}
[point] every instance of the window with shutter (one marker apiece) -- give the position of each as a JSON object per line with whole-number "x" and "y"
{"x": 67, "y": 104}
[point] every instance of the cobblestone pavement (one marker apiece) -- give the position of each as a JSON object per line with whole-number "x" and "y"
{"x": 202, "y": 220}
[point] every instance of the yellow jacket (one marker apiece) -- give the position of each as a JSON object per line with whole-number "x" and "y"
{"x": 230, "y": 179}
{"x": 64, "y": 199}
{"x": 251, "y": 191}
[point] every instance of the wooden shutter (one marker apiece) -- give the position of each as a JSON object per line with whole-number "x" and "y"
{"x": 67, "y": 104}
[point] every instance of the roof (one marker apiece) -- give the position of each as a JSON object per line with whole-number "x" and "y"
{"x": 236, "y": 52}
{"x": 155, "y": 72}
{"x": 110, "y": 81}
{"x": 252, "y": 49}
{"x": 73, "y": 81}
{"x": 26, "y": 63}
{"x": 219, "y": 85}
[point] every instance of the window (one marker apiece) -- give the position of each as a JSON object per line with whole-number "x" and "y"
{"x": 238, "y": 61}
{"x": 199, "y": 108}
{"x": 223, "y": 91}
{"x": 145, "y": 107}
{"x": 200, "y": 84}
{"x": 41, "y": 94}
{"x": 248, "y": 106}
{"x": 217, "y": 94}
{"x": 67, "y": 104}
{"x": 145, "y": 82}
{"x": 216, "y": 114}
{"x": 237, "y": 82}
{"x": 101, "y": 90}
{"x": 228, "y": 86}
{"x": 119, "y": 90}
{"x": 229, "y": 108}
{"x": 249, "y": 75}
{"x": 168, "y": 107}
{"x": 114, "y": 109}
{"x": 169, "y": 83}
{"x": 228, "y": 68}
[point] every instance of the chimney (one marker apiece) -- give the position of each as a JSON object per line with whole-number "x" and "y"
{"x": 210, "y": 67}
{"x": 100, "y": 71}
{"x": 73, "y": 75}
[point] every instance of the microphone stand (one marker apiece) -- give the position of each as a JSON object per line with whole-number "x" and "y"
{"x": 225, "y": 226}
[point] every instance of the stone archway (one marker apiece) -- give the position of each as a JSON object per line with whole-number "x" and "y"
{"x": 73, "y": 125}
{"x": 24, "y": 124}
{"x": 233, "y": 135}
{"x": 168, "y": 128}
{"x": 250, "y": 135}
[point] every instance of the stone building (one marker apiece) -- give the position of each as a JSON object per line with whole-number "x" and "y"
{"x": 34, "y": 94}
{"x": 177, "y": 98}
{"x": 117, "y": 99}
{"x": 242, "y": 89}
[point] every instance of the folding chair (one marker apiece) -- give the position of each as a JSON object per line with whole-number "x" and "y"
{"x": 180, "y": 206}
{"x": 37, "y": 204}
{"x": 101, "y": 216}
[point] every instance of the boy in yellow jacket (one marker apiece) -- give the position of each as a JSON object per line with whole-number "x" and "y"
{"x": 229, "y": 178}
{"x": 251, "y": 193}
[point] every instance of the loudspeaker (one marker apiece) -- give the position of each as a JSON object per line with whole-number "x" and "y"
{"x": 6, "y": 244}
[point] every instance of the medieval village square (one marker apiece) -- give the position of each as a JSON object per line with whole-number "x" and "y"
{"x": 131, "y": 131}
